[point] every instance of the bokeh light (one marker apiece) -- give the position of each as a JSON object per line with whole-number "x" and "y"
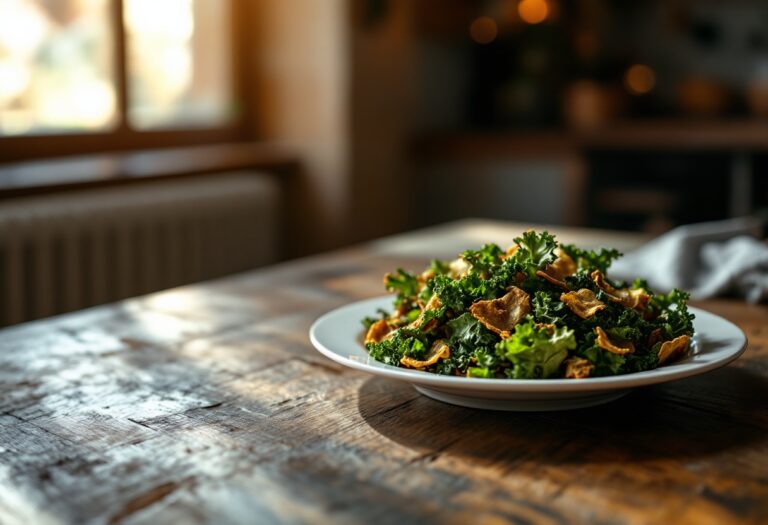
{"x": 533, "y": 11}
{"x": 484, "y": 30}
{"x": 56, "y": 73}
{"x": 640, "y": 79}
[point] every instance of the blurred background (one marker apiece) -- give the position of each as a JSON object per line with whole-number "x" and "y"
{"x": 146, "y": 144}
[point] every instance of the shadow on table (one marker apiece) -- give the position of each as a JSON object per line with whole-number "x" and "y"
{"x": 691, "y": 418}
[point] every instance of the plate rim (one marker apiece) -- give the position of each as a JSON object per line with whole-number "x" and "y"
{"x": 635, "y": 379}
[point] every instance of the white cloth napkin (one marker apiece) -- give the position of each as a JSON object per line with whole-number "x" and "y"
{"x": 706, "y": 259}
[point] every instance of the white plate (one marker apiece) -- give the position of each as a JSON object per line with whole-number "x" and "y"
{"x": 338, "y": 336}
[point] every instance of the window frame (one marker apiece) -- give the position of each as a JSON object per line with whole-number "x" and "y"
{"x": 124, "y": 138}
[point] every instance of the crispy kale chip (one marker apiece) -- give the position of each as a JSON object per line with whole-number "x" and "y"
{"x": 484, "y": 282}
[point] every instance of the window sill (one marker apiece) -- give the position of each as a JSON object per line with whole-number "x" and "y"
{"x": 75, "y": 173}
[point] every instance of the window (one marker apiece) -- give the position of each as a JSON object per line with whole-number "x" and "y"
{"x": 56, "y": 67}
{"x": 176, "y": 75}
{"x": 116, "y": 70}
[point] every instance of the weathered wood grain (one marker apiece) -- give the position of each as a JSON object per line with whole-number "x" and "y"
{"x": 207, "y": 404}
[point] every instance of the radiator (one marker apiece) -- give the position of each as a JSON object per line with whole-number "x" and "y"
{"x": 65, "y": 252}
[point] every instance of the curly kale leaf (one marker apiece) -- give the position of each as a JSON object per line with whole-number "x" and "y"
{"x": 368, "y": 321}
{"x": 630, "y": 318}
{"x": 465, "y": 331}
{"x": 674, "y": 316}
{"x": 404, "y": 342}
{"x": 468, "y": 340}
{"x": 624, "y": 334}
{"x": 640, "y": 283}
{"x": 487, "y": 362}
{"x": 404, "y": 284}
{"x": 433, "y": 313}
{"x": 639, "y": 363}
{"x": 619, "y": 323}
{"x": 591, "y": 260}
{"x": 486, "y": 357}
{"x": 549, "y": 309}
{"x": 485, "y": 259}
{"x": 579, "y": 280}
{"x": 606, "y": 363}
{"x": 536, "y": 250}
{"x": 450, "y": 291}
{"x": 439, "y": 267}
{"x": 459, "y": 294}
{"x": 535, "y": 352}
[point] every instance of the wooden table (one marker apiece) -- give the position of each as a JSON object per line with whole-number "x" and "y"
{"x": 207, "y": 404}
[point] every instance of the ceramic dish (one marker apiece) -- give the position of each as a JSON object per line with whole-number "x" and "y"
{"x": 338, "y": 336}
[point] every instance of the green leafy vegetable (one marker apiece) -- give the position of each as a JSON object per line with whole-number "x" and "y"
{"x": 624, "y": 334}
{"x": 673, "y": 313}
{"x": 404, "y": 284}
{"x": 467, "y": 339}
{"x": 640, "y": 363}
{"x": 368, "y": 321}
{"x": 536, "y": 250}
{"x": 536, "y": 352}
{"x": 458, "y": 294}
{"x": 405, "y": 342}
{"x": 606, "y": 363}
{"x": 484, "y": 259}
{"x": 537, "y": 346}
{"x": 549, "y": 309}
{"x": 439, "y": 267}
{"x": 480, "y": 372}
{"x": 590, "y": 260}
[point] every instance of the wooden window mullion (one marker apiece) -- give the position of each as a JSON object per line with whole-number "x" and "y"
{"x": 121, "y": 66}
